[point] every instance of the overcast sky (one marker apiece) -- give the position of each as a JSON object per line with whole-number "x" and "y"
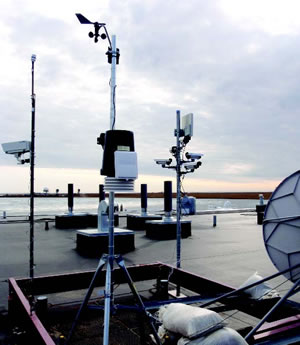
{"x": 235, "y": 64}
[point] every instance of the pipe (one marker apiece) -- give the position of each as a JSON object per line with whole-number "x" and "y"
{"x": 168, "y": 198}
{"x": 144, "y": 199}
{"x": 70, "y": 198}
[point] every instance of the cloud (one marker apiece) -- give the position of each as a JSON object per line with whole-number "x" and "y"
{"x": 236, "y": 68}
{"x": 273, "y": 17}
{"x": 237, "y": 169}
{"x": 87, "y": 180}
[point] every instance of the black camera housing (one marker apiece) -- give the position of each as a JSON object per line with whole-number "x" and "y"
{"x": 111, "y": 141}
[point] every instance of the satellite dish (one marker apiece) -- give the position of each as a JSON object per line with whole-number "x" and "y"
{"x": 281, "y": 226}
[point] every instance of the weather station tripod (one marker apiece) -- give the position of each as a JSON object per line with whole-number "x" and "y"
{"x": 109, "y": 259}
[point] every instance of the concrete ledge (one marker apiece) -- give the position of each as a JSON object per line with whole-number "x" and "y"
{"x": 137, "y": 221}
{"x": 159, "y": 230}
{"x": 72, "y": 221}
{"x": 79, "y": 221}
{"x": 92, "y": 243}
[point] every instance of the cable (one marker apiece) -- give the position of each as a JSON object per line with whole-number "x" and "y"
{"x": 114, "y": 107}
{"x": 284, "y": 282}
{"x": 113, "y": 104}
{"x": 182, "y": 187}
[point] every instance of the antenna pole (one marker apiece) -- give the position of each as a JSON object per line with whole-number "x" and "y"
{"x": 178, "y": 197}
{"x": 108, "y": 259}
{"x": 113, "y": 83}
{"x": 110, "y": 264}
{"x": 32, "y": 156}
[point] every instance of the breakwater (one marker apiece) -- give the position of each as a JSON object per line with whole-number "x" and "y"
{"x": 197, "y": 195}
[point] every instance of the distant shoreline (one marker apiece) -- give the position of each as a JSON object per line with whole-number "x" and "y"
{"x": 197, "y": 195}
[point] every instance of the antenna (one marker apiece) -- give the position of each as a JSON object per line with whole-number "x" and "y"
{"x": 281, "y": 226}
{"x": 18, "y": 149}
{"x": 191, "y": 163}
{"x": 187, "y": 125}
{"x": 281, "y": 232}
{"x": 32, "y": 158}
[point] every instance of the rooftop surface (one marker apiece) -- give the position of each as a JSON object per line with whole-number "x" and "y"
{"x": 228, "y": 253}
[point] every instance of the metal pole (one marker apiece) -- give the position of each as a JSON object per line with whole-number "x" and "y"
{"x": 143, "y": 199}
{"x": 178, "y": 197}
{"x": 101, "y": 192}
{"x": 178, "y": 209}
{"x": 107, "y": 303}
{"x": 70, "y": 198}
{"x": 100, "y": 225}
{"x": 113, "y": 83}
{"x": 109, "y": 270}
{"x": 111, "y": 224}
{"x": 168, "y": 200}
{"x": 32, "y": 156}
{"x": 110, "y": 263}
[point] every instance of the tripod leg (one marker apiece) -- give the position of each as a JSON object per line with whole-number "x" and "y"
{"x": 102, "y": 262}
{"x": 121, "y": 264}
{"x": 107, "y": 303}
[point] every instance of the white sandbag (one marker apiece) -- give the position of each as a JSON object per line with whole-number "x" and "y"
{"x": 161, "y": 332}
{"x": 189, "y": 321}
{"x": 223, "y": 336}
{"x": 261, "y": 291}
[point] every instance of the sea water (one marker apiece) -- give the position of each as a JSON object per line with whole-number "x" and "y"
{"x": 53, "y": 206}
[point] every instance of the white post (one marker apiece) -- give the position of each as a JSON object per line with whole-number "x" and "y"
{"x": 113, "y": 83}
{"x": 110, "y": 266}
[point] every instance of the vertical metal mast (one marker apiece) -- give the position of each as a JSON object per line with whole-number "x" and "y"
{"x": 32, "y": 156}
{"x": 178, "y": 177}
{"x": 189, "y": 166}
{"x": 113, "y": 83}
{"x": 110, "y": 267}
{"x": 113, "y": 55}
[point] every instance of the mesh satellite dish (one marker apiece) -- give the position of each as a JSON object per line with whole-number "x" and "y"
{"x": 281, "y": 227}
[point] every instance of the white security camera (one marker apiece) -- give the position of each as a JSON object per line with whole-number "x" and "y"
{"x": 189, "y": 166}
{"x": 163, "y": 161}
{"x": 17, "y": 147}
{"x": 192, "y": 165}
{"x": 193, "y": 155}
